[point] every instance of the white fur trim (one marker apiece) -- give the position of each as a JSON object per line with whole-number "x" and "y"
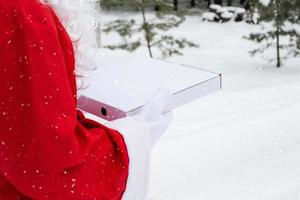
{"x": 137, "y": 137}
{"x": 78, "y": 18}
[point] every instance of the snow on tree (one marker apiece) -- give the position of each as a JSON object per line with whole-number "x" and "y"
{"x": 265, "y": 2}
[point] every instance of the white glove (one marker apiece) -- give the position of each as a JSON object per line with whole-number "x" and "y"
{"x": 141, "y": 132}
{"x": 153, "y": 113}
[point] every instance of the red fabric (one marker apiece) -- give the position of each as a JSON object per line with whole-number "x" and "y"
{"x": 48, "y": 149}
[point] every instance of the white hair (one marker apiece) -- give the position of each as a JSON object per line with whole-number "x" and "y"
{"x": 78, "y": 17}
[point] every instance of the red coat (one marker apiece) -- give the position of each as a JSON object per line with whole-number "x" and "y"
{"x": 48, "y": 149}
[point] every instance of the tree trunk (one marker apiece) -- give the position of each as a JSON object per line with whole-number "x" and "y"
{"x": 175, "y": 2}
{"x": 98, "y": 35}
{"x": 145, "y": 27}
{"x": 278, "y": 47}
{"x": 278, "y": 32}
{"x": 193, "y": 3}
{"x": 208, "y": 3}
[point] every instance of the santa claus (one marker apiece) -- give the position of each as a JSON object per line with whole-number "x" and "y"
{"x": 48, "y": 148}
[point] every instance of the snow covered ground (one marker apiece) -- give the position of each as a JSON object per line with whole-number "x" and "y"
{"x": 242, "y": 143}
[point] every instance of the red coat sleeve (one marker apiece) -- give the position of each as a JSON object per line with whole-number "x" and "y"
{"x": 48, "y": 149}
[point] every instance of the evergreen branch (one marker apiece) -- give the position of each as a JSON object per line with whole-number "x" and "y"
{"x": 132, "y": 46}
{"x": 122, "y": 27}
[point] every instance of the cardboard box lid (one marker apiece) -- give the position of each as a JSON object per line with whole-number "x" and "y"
{"x": 130, "y": 83}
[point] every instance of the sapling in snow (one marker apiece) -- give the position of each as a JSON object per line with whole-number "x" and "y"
{"x": 150, "y": 33}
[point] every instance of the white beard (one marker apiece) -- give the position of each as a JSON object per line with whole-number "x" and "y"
{"x": 77, "y": 18}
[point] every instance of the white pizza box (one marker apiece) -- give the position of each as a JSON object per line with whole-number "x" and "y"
{"x": 122, "y": 88}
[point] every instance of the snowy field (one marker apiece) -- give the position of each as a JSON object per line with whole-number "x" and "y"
{"x": 242, "y": 143}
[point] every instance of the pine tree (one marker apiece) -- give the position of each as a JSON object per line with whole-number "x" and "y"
{"x": 107, "y": 4}
{"x": 153, "y": 31}
{"x": 295, "y": 19}
{"x": 111, "y": 4}
{"x": 283, "y": 14}
{"x": 251, "y": 6}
